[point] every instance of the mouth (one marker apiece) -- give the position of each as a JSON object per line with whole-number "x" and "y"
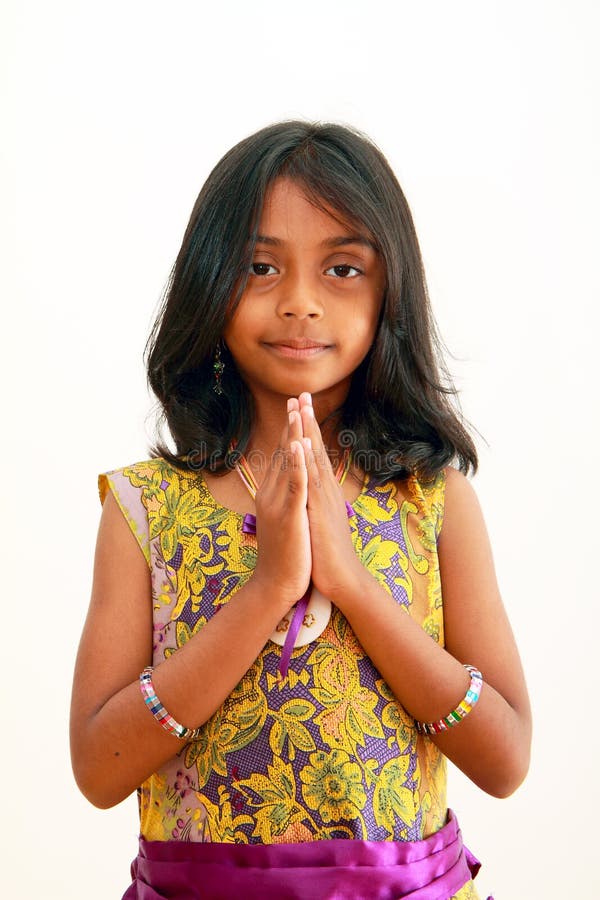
{"x": 298, "y": 349}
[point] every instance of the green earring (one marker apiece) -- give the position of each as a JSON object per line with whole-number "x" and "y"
{"x": 218, "y": 368}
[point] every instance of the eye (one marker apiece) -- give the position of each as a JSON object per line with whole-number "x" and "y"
{"x": 262, "y": 269}
{"x": 343, "y": 271}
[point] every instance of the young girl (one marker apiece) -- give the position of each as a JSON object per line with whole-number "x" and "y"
{"x": 295, "y": 617}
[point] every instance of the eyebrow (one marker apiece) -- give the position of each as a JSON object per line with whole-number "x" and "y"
{"x": 341, "y": 241}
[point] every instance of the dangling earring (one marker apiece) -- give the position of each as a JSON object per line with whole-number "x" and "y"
{"x": 218, "y": 368}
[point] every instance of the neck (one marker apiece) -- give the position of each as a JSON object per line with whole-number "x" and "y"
{"x": 270, "y": 420}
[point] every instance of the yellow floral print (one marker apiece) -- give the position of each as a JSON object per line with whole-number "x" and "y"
{"x": 332, "y": 785}
{"x": 328, "y": 753}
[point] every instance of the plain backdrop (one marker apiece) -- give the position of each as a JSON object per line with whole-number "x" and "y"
{"x": 113, "y": 115}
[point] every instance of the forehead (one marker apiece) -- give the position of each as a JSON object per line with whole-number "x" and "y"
{"x": 289, "y": 212}
{"x": 288, "y": 204}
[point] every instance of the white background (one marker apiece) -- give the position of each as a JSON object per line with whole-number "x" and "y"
{"x": 114, "y": 113}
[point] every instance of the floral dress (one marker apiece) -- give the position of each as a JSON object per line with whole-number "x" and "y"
{"x": 328, "y": 752}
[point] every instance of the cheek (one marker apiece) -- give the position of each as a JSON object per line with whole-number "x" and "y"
{"x": 238, "y": 326}
{"x": 362, "y": 319}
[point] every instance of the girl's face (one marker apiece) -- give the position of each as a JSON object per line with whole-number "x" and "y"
{"x": 309, "y": 312}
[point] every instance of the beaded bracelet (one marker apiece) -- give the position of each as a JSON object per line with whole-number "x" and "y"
{"x": 462, "y": 710}
{"x": 160, "y": 713}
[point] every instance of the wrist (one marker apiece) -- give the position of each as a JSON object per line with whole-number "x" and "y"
{"x": 350, "y": 590}
{"x": 280, "y": 595}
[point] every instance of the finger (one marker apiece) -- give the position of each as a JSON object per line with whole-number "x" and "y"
{"x": 305, "y": 406}
{"x": 297, "y": 454}
{"x": 294, "y": 426}
{"x": 287, "y": 465}
{"x": 310, "y": 426}
{"x": 272, "y": 469}
{"x": 293, "y": 404}
{"x": 312, "y": 470}
{"x": 310, "y": 429}
{"x": 276, "y": 462}
{"x": 297, "y": 474}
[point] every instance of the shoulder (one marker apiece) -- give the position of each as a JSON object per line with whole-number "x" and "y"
{"x": 444, "y": 500}
{"x": 460, "y": 498}
{"x": 429, "y": 498}
{"x": 152, "y": 475}
{"x": 464, "y": 532}
{"x": 456, "y": 481}
{"x": 131, "y": 492}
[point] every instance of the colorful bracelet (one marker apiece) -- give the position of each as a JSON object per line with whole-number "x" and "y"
{"x": 462, "y": 710}
{"x": 160, "y": 713}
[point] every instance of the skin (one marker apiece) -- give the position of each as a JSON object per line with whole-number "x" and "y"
{"x": 313, "y": 279}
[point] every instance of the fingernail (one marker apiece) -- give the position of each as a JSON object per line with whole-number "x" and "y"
{"x": 290, "y": 404}
{"x": 291, "y": 417}
{"x": 310, "y": 412}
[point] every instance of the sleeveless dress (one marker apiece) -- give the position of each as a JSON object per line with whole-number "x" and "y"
{"x": 327, "y": 754}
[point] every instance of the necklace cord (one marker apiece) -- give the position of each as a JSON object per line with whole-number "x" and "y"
{"x": 247, "y": 476}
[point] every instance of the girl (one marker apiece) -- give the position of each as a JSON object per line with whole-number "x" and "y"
{"x": 295, "y": 617}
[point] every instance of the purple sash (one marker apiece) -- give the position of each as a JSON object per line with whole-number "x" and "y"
{"x": 432, "y": 869}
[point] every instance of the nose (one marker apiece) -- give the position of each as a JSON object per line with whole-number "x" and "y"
{"x": 299, "y": 297}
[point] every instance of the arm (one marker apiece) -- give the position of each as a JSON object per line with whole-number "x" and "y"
{"x": 477, "y": 628}
{"x": 115, "y": 741}
{"x": 492, "y": 744}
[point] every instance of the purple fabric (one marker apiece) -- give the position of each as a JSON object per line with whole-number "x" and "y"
{"x": 249, "y": 524}
{"x": 431, "y": 869}
{"x": 292, "y": 633}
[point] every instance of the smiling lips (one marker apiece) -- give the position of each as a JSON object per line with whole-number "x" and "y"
{"x": 298, "y": 349}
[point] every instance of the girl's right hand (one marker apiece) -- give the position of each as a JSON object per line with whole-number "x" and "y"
{"x": 284, "y": 557}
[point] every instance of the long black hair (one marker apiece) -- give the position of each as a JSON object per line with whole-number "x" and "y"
{"x": 400, "y": 415}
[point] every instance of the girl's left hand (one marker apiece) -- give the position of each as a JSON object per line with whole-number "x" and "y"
{"x": 335, "y": 564}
